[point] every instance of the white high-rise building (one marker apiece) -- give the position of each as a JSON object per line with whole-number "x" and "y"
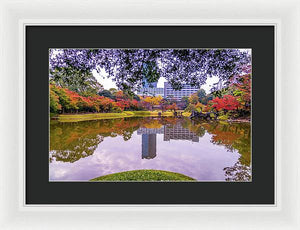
{"x": 186, "y": 91}
{"x": 151, "y": 91}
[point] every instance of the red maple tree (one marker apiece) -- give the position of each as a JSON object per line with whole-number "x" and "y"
{"x": 228, "y": 102}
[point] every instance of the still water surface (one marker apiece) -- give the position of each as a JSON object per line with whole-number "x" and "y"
{"x": 205, "y": 151}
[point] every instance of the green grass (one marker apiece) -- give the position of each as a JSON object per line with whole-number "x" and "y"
{"x": 90, "y": 116}
{"x": 223, "y": 117}
{"x": 99, "y": 116}
{"x": 186, "y": 114}
{"x": 144, "y": 175}
{"x": 152, "y": 113}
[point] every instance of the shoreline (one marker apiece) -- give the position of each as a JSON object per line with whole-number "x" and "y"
{"x": 238, "y": 120}
{"x": 125, "y": 114}
{"x": 235, "y": 120}
{"x": 102, "y": 116}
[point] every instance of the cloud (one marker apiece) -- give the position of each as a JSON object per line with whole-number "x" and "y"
{"x": 200, "y": 160}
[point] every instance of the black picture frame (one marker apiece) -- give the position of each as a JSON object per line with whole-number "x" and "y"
{"x": 38, "y": 188}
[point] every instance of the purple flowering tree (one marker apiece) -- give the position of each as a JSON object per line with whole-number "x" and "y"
{"x": 127, "y": 66}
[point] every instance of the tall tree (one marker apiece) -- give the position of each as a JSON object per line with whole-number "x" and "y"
{"x": 106, "y": 93}
{"x": 178, "y": 66}
{"x": 82, "y": 82}
{"x": 153, "y": 100}
{"x": 201, "y": 95}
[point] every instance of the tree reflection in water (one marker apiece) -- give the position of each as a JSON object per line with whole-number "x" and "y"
{"x": 69, "y": 142}
{"x": 238, "y": 172}
{"x": 234, "y": 136}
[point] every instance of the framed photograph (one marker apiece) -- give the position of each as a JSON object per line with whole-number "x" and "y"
{"x": 179, "y": 118}
{"x": 154, "y": 118}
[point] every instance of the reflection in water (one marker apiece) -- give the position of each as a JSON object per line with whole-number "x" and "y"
{"x": 171, "y": 132}
{"x": 149, "y": 141}
{"x": 70, "y": 142}
{"x": 214, "y": 151}
{"x": 177, "y": 132}
{"x": 238, "y": 172}
{"x": 148, "y": 146}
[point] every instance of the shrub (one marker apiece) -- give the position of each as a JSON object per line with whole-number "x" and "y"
{"x": 117, "y": 110}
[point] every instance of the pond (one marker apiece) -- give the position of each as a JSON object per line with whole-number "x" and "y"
{"x": 205, "y": 151}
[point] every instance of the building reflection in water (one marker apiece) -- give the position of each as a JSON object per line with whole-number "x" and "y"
{"x": 148, "y": 146}
{"x": 149, "y": 141}
{"x": 176, "y": 132}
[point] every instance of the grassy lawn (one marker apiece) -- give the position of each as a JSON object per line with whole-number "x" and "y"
{"x": 99, "y": 116}
{"x": 144, "y": 175}
{"x": 186, "y": 114}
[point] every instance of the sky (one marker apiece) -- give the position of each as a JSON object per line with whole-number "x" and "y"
{"x": 109, "y": 83}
